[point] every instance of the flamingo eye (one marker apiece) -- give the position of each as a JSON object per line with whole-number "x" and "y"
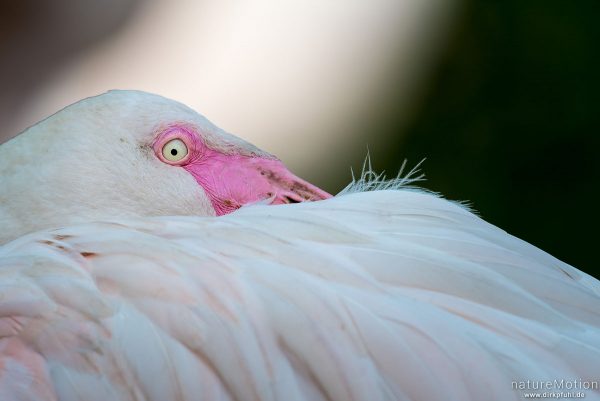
{"x": 174, "y": 150}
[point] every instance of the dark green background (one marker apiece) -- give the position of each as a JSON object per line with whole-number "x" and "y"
{"x": 511, "y": 122}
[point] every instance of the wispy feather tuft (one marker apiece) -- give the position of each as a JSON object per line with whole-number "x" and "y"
{"x": 369, "y": 180}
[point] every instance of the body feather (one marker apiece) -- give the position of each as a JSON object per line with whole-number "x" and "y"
{"x": 383, "y": 295}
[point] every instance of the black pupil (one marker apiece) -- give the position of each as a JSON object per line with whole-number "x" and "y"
{"x": 174, "y": 152}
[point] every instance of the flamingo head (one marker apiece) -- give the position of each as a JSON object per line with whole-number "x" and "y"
{"x": 129, "y": 154}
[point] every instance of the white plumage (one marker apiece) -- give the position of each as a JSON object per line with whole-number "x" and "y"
{"x": 382, "y": 295}
{"x": 385, "y": 295}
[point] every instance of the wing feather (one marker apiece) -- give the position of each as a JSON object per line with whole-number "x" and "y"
{"x": 385, "y": 295}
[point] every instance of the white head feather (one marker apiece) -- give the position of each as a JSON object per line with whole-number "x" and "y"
{"x": 98, "y": 164}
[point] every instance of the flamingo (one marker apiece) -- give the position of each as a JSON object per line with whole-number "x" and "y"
{"x": 148, "y": 255}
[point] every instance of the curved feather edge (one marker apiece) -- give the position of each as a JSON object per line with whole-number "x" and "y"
{"x": 378, "y": 295}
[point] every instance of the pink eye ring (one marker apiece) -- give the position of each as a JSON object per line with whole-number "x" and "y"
{"x": 175, "y": 146}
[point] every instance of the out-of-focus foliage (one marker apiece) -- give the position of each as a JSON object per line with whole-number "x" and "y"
{"x": 511, "y": 122}
{"x": 38, "y": 39}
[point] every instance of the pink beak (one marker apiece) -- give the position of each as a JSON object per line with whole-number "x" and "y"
{"x": 288, "y": 188}
{"x": 232, "y": 181}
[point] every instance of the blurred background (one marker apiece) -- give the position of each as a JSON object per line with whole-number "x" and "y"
{"x": 501, "y": 97}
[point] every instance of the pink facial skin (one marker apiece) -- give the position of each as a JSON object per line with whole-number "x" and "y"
{"x": 233, "y": 180}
